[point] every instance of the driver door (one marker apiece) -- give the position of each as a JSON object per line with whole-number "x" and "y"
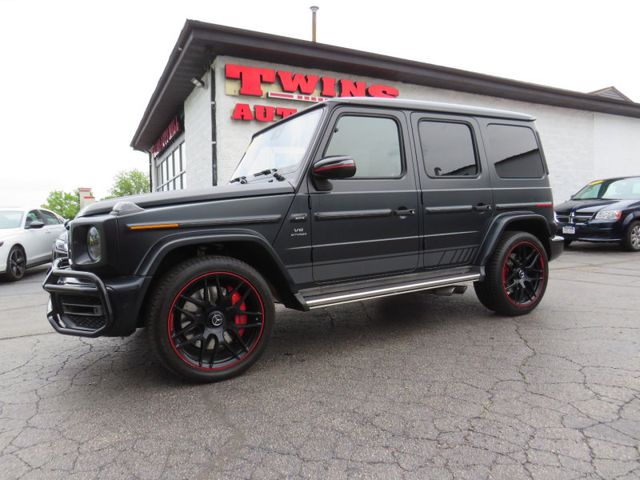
{"x": 37, "y": 241}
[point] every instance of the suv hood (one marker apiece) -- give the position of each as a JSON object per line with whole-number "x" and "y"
{"x": 175, "y": 197}
{"x": 593, "y": 206}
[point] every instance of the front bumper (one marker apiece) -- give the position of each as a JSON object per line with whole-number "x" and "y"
{"x": 592, "y": 231}
{"x": 82, "y": 304}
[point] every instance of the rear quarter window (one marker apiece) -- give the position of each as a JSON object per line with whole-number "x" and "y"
{"x": 514, "y": 151}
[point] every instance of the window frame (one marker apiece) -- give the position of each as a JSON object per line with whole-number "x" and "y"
{"x": 353, "y": 113}
{"x": 166, "y": 178}
{"x": 474, "y": 141}
{"x": 492, "y": 163}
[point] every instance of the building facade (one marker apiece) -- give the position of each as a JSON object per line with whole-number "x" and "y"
{"x": 221, "y": 85}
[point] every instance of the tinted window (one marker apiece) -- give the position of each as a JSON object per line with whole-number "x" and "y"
{"x": 49, "y": 218}
{"x": 514, "y": 151}
{"x": 374, "y": 143}
{"x": 447, "y": 149}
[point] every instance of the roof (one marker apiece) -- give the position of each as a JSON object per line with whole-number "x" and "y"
{"x": 433, "y": 107}
{"x": 199, "y": 43}
{"x": 612, "y": 92}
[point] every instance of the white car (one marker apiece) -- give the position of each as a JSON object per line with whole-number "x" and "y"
{"x": 26, "y": 239}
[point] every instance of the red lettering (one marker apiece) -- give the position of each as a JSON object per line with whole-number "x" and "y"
{"x": 251, "y": 78}
{"x": 328, "y": 87}
{"x": 285, "y": 112}
{"x": 264, "y": 114}
{"x": 385, "y": 91}
{"x": 349, "y": 88}
{"x": 297, "y": 82}
{"x": 242, "y": 111}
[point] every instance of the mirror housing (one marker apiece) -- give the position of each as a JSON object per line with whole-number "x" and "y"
{"x": 34, "y": 224}
{"x": 341, "y": 166}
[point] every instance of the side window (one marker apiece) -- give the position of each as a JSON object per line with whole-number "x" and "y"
{"x": 373, "y": 142}
{"x": 514, "y": 151}
{"x": 447, "y": 149}
{"x": 32, "y": 216}
{"x": 49, "y": 218}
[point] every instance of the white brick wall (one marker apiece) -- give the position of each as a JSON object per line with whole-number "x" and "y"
{"x": 579, "y": 145}
{"x": 197, "y": 125}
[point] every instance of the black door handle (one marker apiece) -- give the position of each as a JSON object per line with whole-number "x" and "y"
{"x": 482, "y": 207}
{"x": 404, "y": 212}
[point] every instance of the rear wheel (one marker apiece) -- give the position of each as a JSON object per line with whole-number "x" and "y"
{"x": 516, "y": 275}
{"x": 210, "y": 318}
{"x": 631, "y": 239}
{"x": 16, "y": 264}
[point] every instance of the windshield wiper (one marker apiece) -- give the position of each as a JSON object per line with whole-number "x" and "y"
{"x": 242, "y": 179}
{"x": 268, "y": 171}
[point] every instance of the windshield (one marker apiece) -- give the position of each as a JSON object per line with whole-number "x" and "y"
{"x": 10, "y": 219}
{"x": 617, "y": 189}
{"x": 281, "y": 147}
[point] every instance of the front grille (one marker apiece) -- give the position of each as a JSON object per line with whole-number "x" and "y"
{"x": 84, "y": 312}
{"x": 85, "y": 323}
{"x": 582, "y": 217}
{"x": 562, "y": 218}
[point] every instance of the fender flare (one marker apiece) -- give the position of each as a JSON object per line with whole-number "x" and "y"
{"x": 152, "y": 260}
{"x": 631, "y": 216}
{"x": 500, "y": 223}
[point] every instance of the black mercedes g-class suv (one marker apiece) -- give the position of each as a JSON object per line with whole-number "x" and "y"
{"x": 349, "y": 200}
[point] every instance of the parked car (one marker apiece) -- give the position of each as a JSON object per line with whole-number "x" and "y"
{"x": 26, "y": 237}
{"x": 350, "y": 200}
{"x": 61, "y": 246}
{"x": 603, "y": 211}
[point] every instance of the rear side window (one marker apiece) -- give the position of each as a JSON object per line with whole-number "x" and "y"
{"x": 514, "y": 151}
{"x": 373, "y": 142}
{"x": 447, "y": 149}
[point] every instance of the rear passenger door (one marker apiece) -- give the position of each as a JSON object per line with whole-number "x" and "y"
{"x": 457, "y": 200}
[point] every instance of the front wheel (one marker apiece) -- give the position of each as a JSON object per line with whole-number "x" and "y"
{"x": 516, "y": 275}
{"x": 210, "y": 318}
{"x": 16, "y": 264}
{"x": 631, "y": 239}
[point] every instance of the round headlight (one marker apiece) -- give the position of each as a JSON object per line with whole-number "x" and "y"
{"x": 94, "y": 244}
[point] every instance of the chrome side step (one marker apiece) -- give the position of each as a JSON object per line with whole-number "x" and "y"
{"x": 339, "y": 299}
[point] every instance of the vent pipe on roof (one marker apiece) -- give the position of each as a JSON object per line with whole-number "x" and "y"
{"x": 314, "y": 9}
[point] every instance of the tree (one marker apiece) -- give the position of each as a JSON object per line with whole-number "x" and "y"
{"x": 63, "y": 203}
{"x": 129, "y": 182}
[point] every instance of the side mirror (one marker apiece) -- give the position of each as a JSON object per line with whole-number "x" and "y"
{"x": 34, "y": 224}
{"x": 336, "y": 167}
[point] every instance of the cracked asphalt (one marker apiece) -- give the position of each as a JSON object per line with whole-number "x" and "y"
{"x": 415, "y": 386}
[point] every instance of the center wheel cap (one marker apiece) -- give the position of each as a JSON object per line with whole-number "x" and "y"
{"x": 216, "y": 318}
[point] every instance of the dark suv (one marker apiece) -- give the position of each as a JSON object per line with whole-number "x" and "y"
{"x": 603, "y": 211}
{"x": 350, "y": 200}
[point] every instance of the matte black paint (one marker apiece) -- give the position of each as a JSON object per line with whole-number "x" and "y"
{"x": 363, "y": 233}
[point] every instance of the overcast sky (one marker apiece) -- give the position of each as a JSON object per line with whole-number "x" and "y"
{"x": 76, "y": 76}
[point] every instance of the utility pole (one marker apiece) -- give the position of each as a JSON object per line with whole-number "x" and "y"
{"x": 314, "y": 9}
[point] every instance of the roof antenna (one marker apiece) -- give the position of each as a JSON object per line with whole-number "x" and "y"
{"x": 314, "y": 9}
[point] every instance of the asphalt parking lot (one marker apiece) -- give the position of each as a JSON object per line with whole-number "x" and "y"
{"x": 416, "y": 386}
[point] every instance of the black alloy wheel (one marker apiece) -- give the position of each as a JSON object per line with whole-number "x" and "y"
{"x": 210, "y": 318}
{"x": 516, "y": 276}
{"x": 16, "y": 264}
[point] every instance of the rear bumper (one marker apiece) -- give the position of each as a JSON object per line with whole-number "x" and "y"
{"x": 556, "y": 245}
{"x": 82, "y": 304}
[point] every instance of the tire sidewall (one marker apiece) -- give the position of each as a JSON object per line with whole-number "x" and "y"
{"x": 627, "y": 237}
{"x": 8, "y": 273}
{"x": 168, "y": 288}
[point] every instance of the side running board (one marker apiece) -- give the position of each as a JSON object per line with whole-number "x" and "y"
{"x": 338, "y": 298}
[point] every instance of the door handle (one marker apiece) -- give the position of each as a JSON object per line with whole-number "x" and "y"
{"x": 404, "y": 212}
{"x": 482, "y": 207}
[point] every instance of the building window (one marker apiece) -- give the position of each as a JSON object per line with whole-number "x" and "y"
{"x": 171, "y": 168}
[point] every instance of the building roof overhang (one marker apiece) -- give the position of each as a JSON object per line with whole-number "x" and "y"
{"x": 199, "y": 43}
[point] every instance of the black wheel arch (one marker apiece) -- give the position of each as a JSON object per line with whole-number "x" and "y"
{"x": 530, "y": 222}
{"x": 251, "y": 248}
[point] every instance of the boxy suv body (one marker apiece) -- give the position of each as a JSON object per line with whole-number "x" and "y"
{"x": 349, "y": 200}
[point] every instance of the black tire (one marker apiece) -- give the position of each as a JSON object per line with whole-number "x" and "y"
{"x": 567, "y": 243}
{"x": 516, "y": 275}
{"x": 210, "y": 318}
{"x": 16, "y": 264}
{"x": 631, "y": 240}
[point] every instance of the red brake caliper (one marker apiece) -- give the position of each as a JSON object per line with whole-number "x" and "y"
{"x": 240, "y": 319}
